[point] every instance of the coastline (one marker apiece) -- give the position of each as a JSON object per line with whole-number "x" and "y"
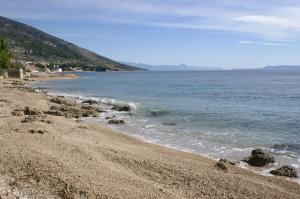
{"x": 75, "y": 158}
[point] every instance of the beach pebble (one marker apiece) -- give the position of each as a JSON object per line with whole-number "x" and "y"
{"x": 32, "y": 131}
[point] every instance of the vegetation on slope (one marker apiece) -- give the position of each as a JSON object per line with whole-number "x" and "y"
{"x": 30, "y": 44}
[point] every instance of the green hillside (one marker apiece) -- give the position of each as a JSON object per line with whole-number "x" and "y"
{"x": 30, "y": 44}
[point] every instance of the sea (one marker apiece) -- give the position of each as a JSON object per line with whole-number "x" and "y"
{"x": 218, "y": 114}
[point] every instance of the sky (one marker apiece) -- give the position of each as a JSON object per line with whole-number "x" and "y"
{"x": 216, "y": 33}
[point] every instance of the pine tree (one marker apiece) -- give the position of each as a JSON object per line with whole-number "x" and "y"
{"x": 5, "y": 56}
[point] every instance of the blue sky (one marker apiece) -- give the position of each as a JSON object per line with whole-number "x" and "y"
{"x": 224, "y": 33}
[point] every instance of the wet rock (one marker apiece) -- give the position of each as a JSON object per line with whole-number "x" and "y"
{"x": 66, "y": 111}
{"x": 90, "y": 113}
{"x": 125, "y": 108}
{"x": 110, "y": 117}
{"x": 260, "y": 158}
{"x": 223, "y": 164}
{"x": 90, "y": 102}
{"x": 62, "y": 100}
{"x": 227, "y": 162}
{"x": 93, "y": 108}
{"x": 74, "y": 111}
{"x": 116, "y": 121}
{"x": 286, "y": 170}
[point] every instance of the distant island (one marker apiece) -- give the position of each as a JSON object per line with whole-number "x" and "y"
{"x": 179, "y": 67}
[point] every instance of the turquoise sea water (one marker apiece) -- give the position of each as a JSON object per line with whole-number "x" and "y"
{"x": 213, "y": 113}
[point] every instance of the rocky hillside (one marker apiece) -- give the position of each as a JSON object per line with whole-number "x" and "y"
{"x": 30, "y": 44}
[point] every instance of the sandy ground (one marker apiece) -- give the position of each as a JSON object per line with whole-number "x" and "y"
{"x": 73, "y": 159}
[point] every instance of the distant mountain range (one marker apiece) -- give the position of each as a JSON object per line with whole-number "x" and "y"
{"x": 283, "y": 67}
{"x": 30, "y": 44}
{"x": 180, "y": 67}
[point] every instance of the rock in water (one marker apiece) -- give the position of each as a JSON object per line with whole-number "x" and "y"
{"x": 125, "y": 108}
{"x": 260, "y": 158}
{"x": 286, "y": 170}
{"x": 115, "y": 121}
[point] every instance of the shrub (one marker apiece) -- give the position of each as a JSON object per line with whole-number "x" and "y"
{"x": 5, "y": 56}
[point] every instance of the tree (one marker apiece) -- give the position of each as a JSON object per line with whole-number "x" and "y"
{"x": 5, "y": 56}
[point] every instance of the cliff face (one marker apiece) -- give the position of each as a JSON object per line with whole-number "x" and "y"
{"x": 30, "y": 44}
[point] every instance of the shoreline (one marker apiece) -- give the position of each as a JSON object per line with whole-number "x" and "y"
{"x": 153, "y": 170}
{"x": 129, "y": 131}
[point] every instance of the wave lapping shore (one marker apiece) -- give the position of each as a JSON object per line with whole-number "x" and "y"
{"x": 47, "y": 155}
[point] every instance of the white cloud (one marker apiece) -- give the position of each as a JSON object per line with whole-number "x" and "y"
{"x": 267, "y": 19}
{"x": 264, "y": 43}
{"x": 246, "y": 42}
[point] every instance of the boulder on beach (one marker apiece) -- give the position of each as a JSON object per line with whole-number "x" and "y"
{"x": 260, "y": 158}
{"x": 62, "y": 100}
{"x": 286, "y": 170}
{"x": 65, "y": 111}
{"x": 74, "y": 111}
{"x": 227, "y": 161}
{"x": 93, "y": 108}
{"x": 223, "y": 164}
{"x": 119, "y": 107}
{"x": 90, "y": 113}
{"x": 116, "y": 121}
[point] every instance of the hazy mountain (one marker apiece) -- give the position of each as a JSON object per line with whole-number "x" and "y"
{"x": 180, "y": 67}
{"x": 282, "y": 67}
{"x": 30, "y": 44}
